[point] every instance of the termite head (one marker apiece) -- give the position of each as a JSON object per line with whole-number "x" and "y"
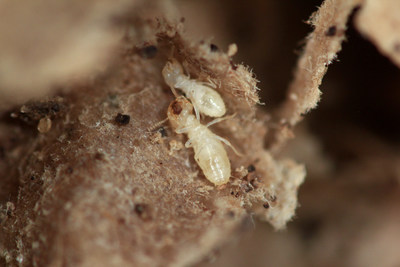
{"x": 172, "y": 72}
{"x": 179, "y": 112}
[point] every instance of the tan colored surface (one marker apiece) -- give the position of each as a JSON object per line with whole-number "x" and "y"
{"x": 321, "y": 50}
{"x": 96, "y": 192}
{"x": 379, "y": 21}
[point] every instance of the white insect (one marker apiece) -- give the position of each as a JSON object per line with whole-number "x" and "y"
{"x": 209, "y": 152}
{"x": 205, "y": 100}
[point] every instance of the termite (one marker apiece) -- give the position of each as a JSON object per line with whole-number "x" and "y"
{"x": 209, "y": 152}
{"x": 205, "y": 100}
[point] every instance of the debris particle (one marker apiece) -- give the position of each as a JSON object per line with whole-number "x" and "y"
{"x": 251, "y": 168}
{"x": 213, "y": 48}
{"x": 70, "y": 170}
{"x": 331, "y": 31}
{"x": 44, "y": 125}
{"x": 148, "y": 51}
{"x": 142, "y": 210}
{"x": 163, "y": 132}
{"x": 247, "y": 188}
{"x": 266, "y": 205}
{"x": 55, "y": 107}
{"x": 98, "y": 156}
{"x": 122, "y": 119}
{"x": 231, "y": 214}
{"x": 139, "y": 209}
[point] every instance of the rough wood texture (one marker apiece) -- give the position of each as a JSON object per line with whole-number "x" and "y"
{"x": 321, "y": 50}
{"x": 97, "y": 190}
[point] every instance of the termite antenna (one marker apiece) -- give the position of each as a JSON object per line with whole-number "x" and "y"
{"x": 226, "y": 142}
{"x": 156, "y": 125}
{"x": 217, "y": 120}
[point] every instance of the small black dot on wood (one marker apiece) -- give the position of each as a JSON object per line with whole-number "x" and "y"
{"x": 55, "y": 107}
{"x": 251, "y": 168}
{"x": 98, "y": 156}
{"x": 33, "y": 177}
{"x": 70, "y": 170}
{"x": 247, "y": 188}
{"x": 266, "y": 205}
{"x": 231, "y": 214}
{"x": 122, "y": 119}
{"x": 331, "y": 31}
{"x": 140, "y": 209}
{"x": 148, "y": 52}
{"x": 213, "y": 48}
{"x": 163, "y": 132}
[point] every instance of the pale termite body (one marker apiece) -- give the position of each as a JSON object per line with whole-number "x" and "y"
{"x": 205, "y": 100}
{"x": 209, "y": 151}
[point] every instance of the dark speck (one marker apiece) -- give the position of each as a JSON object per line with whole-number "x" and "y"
{"x": 231, "y": 214}
{"x": 122, "y": 119}
{"x": 266, "y": 205}
{"x": 163, "y": 132}
{"x": 2, "y": 153}
{"x": 148, "y": 52}
{"x": 182, "y": 20}
{"x": 33, "y": 177}
{"x": 251, "y": 168}
{"x": 140, "y": 209}
{"x": 213, "y": 48}
{"x": 55, "y": 107}
{"x": 98, "y": 156}
{"x": 331, "y": 31}
{"x": 9, "y": 213}
{"x": 70, "y": 170}
{"x": 247, "y": 188}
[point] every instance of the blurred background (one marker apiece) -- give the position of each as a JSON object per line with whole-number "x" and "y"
{"x": 349, "y": 203}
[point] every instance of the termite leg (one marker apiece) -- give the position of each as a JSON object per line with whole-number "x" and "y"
{"x": 174, "y": 91}
{"x": 182, "y": 130}
{"x": 197, "y": 112}
{"x": 220, "y": 119}
{"x": 229, "y": 144}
